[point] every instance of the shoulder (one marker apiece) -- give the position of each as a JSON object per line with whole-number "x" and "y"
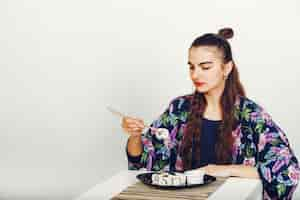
{"x": 247, "y": 103}
{"x": 181, "y": 103}
{"x": 249, "y": 110}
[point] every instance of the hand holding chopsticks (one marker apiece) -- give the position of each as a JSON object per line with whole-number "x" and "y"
{"x": 134, "y": 126}
{"x": 130, "y": 124}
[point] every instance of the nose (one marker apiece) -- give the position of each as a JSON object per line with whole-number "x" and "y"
{"x": 196, "y": 73}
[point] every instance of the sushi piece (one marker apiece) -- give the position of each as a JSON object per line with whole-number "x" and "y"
{"x": 155, "y": 179}
{"x": 162, "y": 133}
{"x": 194, "y": 177}
{"x": 167, "y": 179}
{"x": 179, "y": 179}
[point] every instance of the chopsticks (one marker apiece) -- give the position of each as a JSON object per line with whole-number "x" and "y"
{"x": 119, "y": 114}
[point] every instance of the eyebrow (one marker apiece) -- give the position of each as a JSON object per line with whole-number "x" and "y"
{"x": 202, "y": 63}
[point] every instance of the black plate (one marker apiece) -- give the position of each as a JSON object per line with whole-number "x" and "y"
{"x": 146, "y": 179}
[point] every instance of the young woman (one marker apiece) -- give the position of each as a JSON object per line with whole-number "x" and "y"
{"x": 216, "y": 128}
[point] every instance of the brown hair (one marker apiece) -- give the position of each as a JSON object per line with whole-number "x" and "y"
{"x": 233, "y": 88}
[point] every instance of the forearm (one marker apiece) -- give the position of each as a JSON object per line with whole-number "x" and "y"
{"x": 134, "y": 145}
{"x": 243, "y": 171}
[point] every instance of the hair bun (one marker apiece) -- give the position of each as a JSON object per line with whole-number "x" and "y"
{"x": 226, "y": 33}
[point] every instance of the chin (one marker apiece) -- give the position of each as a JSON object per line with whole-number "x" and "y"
{"x": 202, "y": 90}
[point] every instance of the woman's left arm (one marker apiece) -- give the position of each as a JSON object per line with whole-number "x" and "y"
{"x": 243, "y": 171}
{"x": 276, "y": 163}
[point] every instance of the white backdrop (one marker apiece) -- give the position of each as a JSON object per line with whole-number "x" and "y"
{"x": 62, "y": 62}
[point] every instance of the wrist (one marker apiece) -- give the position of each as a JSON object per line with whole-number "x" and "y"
{"x": 134, "y": 146}
{"x": 135, "y": 137}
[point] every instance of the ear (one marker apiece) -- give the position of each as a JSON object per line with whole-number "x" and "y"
{"x": 228, "y": 67}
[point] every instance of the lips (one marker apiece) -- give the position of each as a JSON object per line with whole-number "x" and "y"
{"x": 199, "y": 83}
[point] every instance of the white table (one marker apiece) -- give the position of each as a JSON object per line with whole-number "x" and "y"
{"x": 233, "y": 188}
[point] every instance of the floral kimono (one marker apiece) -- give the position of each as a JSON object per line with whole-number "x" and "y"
{"x": 259, "y": 142}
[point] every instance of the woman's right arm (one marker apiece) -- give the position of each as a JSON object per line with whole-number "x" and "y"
{"x": 144, "y": 150}
{"x": 135, "y": 146}
{"x": 134, "y": 127}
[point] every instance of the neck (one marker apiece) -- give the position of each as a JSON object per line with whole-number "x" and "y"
{"x": 213, "y": 97}
{"x": 213, "y": 109}
{"x": 213, "y": 101}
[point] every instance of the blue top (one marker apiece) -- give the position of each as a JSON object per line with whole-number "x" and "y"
{"x": 209, "y": 132}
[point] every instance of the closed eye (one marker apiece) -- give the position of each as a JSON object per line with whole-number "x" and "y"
{"x": 203, "y": 66}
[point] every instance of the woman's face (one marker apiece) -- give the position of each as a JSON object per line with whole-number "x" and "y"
{"x": 207, "y": 69}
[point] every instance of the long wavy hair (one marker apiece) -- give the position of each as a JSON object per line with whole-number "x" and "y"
{"x": 233, "y": 89}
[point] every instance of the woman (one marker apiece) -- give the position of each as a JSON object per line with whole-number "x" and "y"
{"x": 217, "y": 128}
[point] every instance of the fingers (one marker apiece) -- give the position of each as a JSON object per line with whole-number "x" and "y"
{"x": 133, "y": 126}
{"x": 131, "y": 122}
{"x": 133, "y": 131}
